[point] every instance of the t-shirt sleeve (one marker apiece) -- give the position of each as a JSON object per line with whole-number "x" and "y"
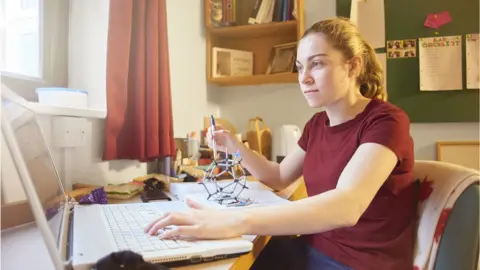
{"x": 390, "y": 129}
{"x": 303, "y": 141}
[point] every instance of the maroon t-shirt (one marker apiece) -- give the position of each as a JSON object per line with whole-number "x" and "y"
{"x": 383, "y": 237}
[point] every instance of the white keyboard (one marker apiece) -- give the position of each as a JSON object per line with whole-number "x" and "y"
{"x": 127, "y": 223}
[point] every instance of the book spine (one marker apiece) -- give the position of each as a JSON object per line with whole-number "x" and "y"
{"x": 253, "y": 16}
{"x": 262, "y": 12}
{"x": 234, "y": 11}
{"x": 289, "y": 10}
{"x": 224, "y": 11}
{"x": 229, "y": 12}
{"x": 277, "y": 14}
{"x": 215, "y": 12}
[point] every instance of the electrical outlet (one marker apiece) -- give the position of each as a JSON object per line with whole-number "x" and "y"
{"x": 69, "y": 131}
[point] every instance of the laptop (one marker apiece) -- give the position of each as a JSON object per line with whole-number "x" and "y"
{"x": 77, "y": 235}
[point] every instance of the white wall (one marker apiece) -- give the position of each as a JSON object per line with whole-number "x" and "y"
{"x": 85, "y": 165}
{"x": 87, "y": 44}
{"x": 284, "y": 104}
{"x": 426, "y": 135}
{"x": 187, "y": 46}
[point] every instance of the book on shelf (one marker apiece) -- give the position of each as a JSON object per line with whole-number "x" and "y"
{"x": 230, "y": 62}
{"x": 266, "y": 11}
{"x": 222, "y": 12}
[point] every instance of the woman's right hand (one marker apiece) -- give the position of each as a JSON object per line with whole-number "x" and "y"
{"x": 224, "y": 139}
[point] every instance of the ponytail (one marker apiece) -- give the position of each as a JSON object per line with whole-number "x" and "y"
{"x": 371, "y": 77}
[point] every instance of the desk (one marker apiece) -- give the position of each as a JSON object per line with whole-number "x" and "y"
{"x": 23, "y": 247}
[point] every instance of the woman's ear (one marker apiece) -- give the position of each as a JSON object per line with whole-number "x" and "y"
{"x": 356, "y": 64}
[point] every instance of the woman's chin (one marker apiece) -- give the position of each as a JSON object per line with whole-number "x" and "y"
{"x": 315, "y": 103}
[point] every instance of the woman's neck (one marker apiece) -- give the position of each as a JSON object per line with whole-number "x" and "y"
{"x": 346, "y": 109}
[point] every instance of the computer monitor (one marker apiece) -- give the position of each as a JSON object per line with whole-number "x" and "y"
{"x": 33, "y": 161}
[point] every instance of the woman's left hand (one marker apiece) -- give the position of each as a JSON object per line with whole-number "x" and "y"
{"x": 199, "y": 222}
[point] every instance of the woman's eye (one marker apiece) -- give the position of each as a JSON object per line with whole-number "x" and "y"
{"x": 317, "y": 63}
{"x": 299, "y": 68}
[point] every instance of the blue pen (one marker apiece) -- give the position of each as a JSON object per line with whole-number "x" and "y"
{"x": 212, "y": 123}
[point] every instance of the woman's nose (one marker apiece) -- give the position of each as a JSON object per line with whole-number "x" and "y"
{"x": 305, "y": 78}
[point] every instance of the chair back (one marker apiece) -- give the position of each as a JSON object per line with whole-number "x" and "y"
{"x": 448, "y": 224}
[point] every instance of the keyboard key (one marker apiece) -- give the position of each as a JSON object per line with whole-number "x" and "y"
{"x": 160, "y": 246}
{"x": 183, "y": 243}
{"x": 148, "y": 248}
{"x": 170, "y": 243}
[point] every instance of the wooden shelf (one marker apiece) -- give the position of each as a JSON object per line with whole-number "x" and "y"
{"x": 259, "y": 39}
{"x": 254, "y": 30}
{"x": 256, "y": 79}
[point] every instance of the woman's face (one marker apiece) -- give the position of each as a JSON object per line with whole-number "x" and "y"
{"x": 323, "y": 74}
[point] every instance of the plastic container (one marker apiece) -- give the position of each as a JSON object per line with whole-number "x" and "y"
{"x": 66, "y": 97}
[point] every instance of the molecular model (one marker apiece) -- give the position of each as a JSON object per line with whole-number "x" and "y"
{"x": 228, "y": 193}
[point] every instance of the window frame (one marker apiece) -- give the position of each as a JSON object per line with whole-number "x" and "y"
{"x": 41, "y": 50}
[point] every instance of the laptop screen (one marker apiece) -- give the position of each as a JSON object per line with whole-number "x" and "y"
{"x": 37, "y": 157}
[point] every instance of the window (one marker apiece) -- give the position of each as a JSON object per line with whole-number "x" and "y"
{"x": 20, "y": 36}
{"x": 29, "y": 4}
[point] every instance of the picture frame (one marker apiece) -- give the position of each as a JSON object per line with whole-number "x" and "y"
{"x": 282, "y": 58}
{"x": 464, "y": 153}
{"x": 406, "y": 48}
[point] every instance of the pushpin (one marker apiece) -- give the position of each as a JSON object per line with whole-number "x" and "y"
{"x": 436, "y": 33}
{"x": 435, "y": 16}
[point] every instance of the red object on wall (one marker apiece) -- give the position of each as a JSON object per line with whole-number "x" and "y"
{"x": 139, "y": 121}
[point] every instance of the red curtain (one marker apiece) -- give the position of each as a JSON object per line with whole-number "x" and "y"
{"x": 139, "y": 121}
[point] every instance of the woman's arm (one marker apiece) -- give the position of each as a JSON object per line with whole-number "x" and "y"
{"x": 276, "y": 176}
{"x": 360, "y": 180}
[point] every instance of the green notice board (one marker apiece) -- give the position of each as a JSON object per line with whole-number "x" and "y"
{"x": 404, "y": 20}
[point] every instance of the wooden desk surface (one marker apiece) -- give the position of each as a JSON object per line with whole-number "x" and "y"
{"x": 27, "y": 242}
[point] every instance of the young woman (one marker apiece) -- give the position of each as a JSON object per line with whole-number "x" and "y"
{"x": 356, "y": 158}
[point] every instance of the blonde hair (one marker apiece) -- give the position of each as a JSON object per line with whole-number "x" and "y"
{"x": 344, "y": 36}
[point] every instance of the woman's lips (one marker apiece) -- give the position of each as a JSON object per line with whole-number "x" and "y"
{"x": 310, "y": 91}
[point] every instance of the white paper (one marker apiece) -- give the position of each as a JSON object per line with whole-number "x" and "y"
{"x": 258, "y": 197}
{"x": 440, "y": 60}
{"x": 260, "y": 194}
{"x": 472, "y": 48}
{"x": 369, "y": 17}
{"x": 382, "y": 58}
{"x": 181, "y": 189}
